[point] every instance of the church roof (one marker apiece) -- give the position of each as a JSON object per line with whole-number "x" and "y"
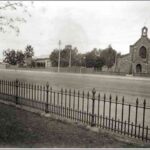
{"x": 140, "y": 40}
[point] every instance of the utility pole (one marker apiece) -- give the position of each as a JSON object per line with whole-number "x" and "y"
{"x": 59, "y": 43}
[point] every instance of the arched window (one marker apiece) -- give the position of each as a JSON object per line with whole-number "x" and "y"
{"x": 142, "y": 52}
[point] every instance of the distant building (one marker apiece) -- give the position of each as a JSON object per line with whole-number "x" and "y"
{"x": 42, "y": 62}
{"x": 138, "y": 60}
{"x": 68, "y": 47}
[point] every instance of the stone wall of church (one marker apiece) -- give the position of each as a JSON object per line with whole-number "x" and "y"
{"x": 148, "y": 68}
{"x": 137, "y": 59}
{"x": 135, "y": 50}
{"x": 143, "y": 65}
{"x": 124, "y": 64}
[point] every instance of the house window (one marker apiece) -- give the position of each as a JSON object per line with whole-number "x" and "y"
{"x": 142, "y": 52}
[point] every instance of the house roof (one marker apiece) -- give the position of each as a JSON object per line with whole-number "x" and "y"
{"x": 41, "y": 59}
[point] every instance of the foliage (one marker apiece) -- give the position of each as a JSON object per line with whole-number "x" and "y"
{"x": 54, "y": 57}
{"x": 109, "y": 56}
{"x": 10, "y": 56}
{"x": 29, "y": 52}
{"x": 64, "y": 57}
{"x": 12, "y": 20}
{"x": 99, "y": 63}
{"x": 93, "y": 59}
{"x": 96, "y": 58}
{"x": 90, "y": 59}
{"x": 18, "y": 57}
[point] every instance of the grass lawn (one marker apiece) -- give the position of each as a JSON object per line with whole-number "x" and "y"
{"x": 19, "y": 128}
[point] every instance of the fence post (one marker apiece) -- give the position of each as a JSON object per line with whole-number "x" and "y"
{"x": 93, "y": 105}
{"x": 16, "y": 91}
{"x": 47, "y": 94}
{"x": 136, "y": 114}
{"x": 122, "y": 115}
{"x": 144, "y": 106}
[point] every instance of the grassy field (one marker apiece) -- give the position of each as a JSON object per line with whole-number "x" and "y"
{"x": 130, "y": 87}
{"x": 19, "y": 128}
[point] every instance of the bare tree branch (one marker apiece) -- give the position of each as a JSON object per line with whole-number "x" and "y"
{"x": 9, "y": 22}
{"x": 11, "y": 5}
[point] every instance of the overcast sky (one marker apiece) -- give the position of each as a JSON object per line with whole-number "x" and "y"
{"x": 85, "y": 25}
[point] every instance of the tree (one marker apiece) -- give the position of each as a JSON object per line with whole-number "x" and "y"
{"x": 109, "y": 56}
{"x": 11, "y": 21}
{"x": 90, "y": 59}
{"x": 29, "y": 52}
{"x": 54, "y": 57}
{"x": 13, "y": 57}
{"x": 99, "y": 63}
{"x": 65, "y": 56}
{"x": 93, "y": 59}
{"x": 10, "y": 57}
{"x": 20, "y": 58}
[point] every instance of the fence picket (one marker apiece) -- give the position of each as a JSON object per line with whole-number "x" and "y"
{"x": 116, "y": 111}
{"x": 144, "y": 105}
{"x": 122, "y": 114}
{"x": 104, "y": 111}
{"x": 98, "y": 110}
{"x": 82, "y": 105}
{"x": 88, "y": 107}
{"x": 110, "y": 97}
{"x": 74, "y": 93}
{"x": 129, "y": 109}
{"x": 47, "y": 94}
{"x": 136, "y": 113}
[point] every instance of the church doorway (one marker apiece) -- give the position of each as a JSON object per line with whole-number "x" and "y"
{"x": 138, "y": 68}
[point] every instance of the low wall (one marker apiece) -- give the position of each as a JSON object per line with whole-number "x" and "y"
{"x": 2, "y": 66}
{"x": 110, "y": 73}
{"x": 71, "y": 70}
{"x": 11, "y": 67}
{"x": 55, "y": 69}
{"x": 141, "y": 74}
{"x": 75, "y": 70}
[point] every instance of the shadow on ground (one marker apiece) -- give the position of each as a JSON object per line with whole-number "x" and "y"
{"x": 19, "y": 128}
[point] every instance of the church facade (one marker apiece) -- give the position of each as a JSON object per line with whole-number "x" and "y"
{"x": 138, "y": 60}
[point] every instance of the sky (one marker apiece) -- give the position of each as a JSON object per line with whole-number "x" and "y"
{"x": 83, "y": 24}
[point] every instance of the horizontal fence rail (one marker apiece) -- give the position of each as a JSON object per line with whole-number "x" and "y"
{"x": 90, "y": 108}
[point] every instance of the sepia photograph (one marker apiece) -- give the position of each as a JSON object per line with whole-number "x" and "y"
{"x": 74, "y": 74}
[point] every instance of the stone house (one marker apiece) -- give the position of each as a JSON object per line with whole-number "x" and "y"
{"x": 138, "y": 60}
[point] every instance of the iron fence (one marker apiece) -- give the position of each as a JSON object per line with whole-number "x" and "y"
{"x": 90, "y": 108}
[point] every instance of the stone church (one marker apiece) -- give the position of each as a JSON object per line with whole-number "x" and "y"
{"x": 138, "y": 60}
